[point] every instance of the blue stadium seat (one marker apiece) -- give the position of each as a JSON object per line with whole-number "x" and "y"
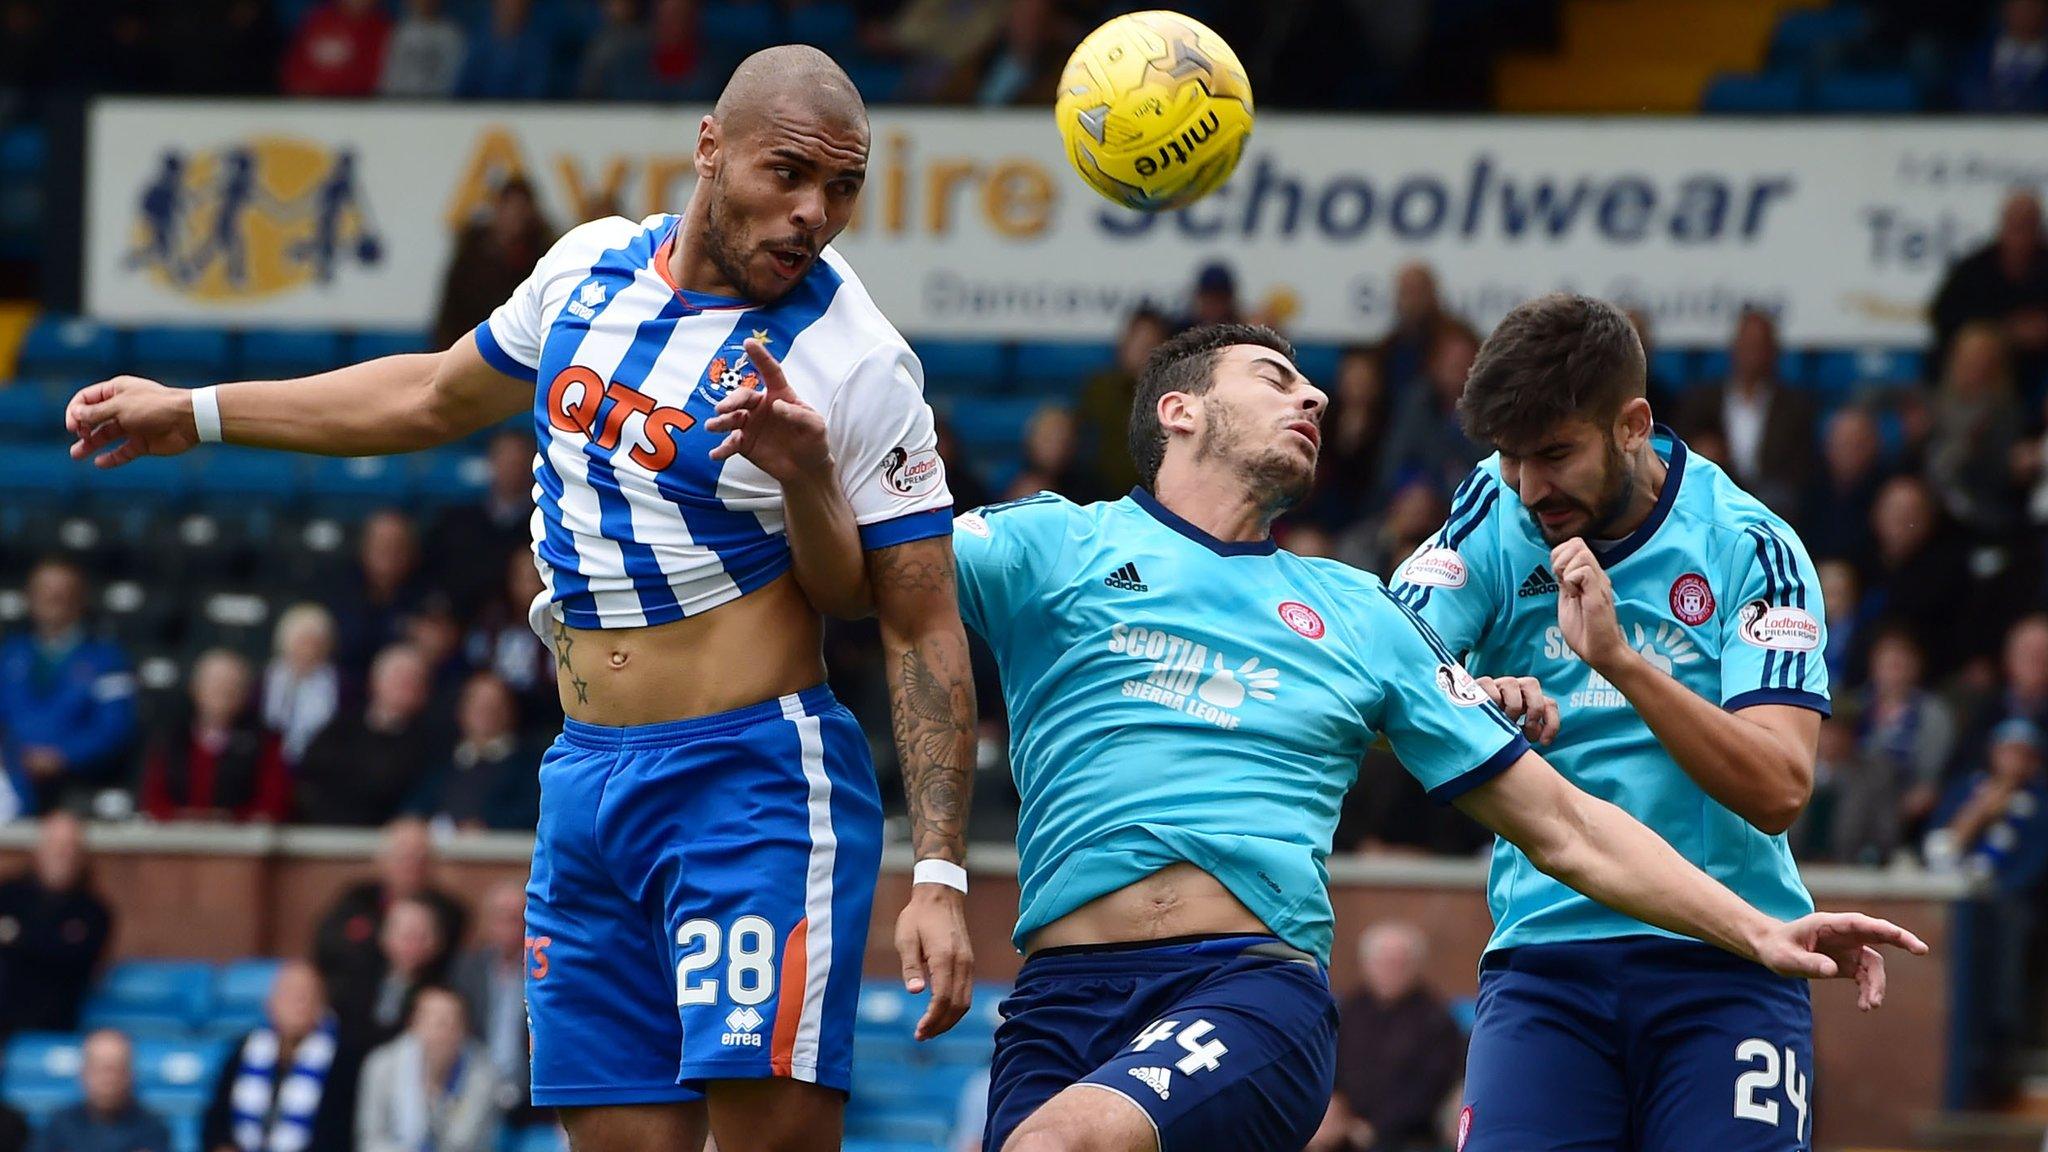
{"x": 1674, "y": 366}
{"x": 966, "y": 363}
{"x": 154, "y": 479}
{"x": 827, "y": 23}
{"x": 22, "y": 150}
{"x": 43, "y": 472}
{"x": 37, "y": 1102}
{"x": 450, "y": 476}
{"x": 136, "y": 1023}
{"x": 42, "y": 1058}
{"x": 984, "y": 422}
{"x": 886, "y": 1006}
{"x": 1465, "y": 1010}
{"x": 230, "y": 1024}
{"x": 535, "y": 1138}
{"x": 371, "y": 345}
{"x": 69, "y": 348}
{"x": 736, "y": 27}
{"x": 1842, "y": 370}
{"x": 1754, "y": 93}
{"x": 1062, "y": 367}
{"x": 878, "y": 80}
{"x": 31, "y": 413}
{"x": 172, "y": 1067}
{"x": 360, "y": 483}
{"x": 1319, "y": 363}
{"x": 168, "y": 986}
{"x": 185, "y": 1130}
{"x": 280, "y": 354}
{"x": 244, "y": 472}
{"x": 201, "y": 354}
{"x": 1882, "y": 92}
{"x": 1711, "y": 366}
{"x": 910, "y": 1127}
{"x": 245, "y": 984}
{"x": 1808, "y": 38}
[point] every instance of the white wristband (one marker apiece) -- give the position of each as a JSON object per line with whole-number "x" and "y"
{"x": 939, "y": 872}
{"x": 206, "y": 413}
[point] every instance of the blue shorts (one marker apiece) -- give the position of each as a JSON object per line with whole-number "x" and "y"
{"x": 1224, "y": 1042}
{"x": 1640, "y": 1043}
{"x": 698, "y": 906}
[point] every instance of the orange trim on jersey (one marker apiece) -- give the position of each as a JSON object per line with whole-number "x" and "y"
{"x": 789, "y": 1000}
{"x": 661, "y": 259}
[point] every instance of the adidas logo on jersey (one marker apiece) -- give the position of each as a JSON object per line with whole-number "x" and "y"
{"x": 1539, "y": 583}
{"x": 1156, "y": 1079}
{"x": 1127, "y": 578}
{"x": 745, "y": 1024}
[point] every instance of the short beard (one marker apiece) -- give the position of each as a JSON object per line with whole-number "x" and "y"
{"x": 1274, "y": 480}
{"x": 1622, "y": 494}
{"x": 724, "y": 253}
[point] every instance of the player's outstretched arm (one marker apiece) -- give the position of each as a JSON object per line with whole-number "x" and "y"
{"x": 931, "y": 707}
{"x": 375, "y": 408}
{"x": 1605, "y": 853}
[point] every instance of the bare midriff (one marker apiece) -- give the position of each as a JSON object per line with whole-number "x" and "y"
{"x": 1178, "y": 900}
{"x": 763, "y": 645}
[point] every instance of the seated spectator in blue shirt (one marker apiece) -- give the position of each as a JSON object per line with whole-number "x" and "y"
{"x": 509, "y": 58}
{"x": 67, "y": 701}
{"x": 109, "y": 1119}
{"x": 2010, "y": 74}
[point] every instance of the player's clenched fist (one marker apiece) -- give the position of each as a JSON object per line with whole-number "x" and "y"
{"x": 770, "y": 425}
{"x": 1585, "y": 605}
{"x": 1522, "y": 699}
{"x": 132, "y": 416}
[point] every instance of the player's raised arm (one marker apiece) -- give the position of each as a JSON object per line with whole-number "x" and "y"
{"x": 378, "y": 407}
{"x": 1605, "y": 853}
{"x": 1753, "y": 751}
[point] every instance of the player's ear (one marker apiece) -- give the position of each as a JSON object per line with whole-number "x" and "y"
{"x": 1180, "y": 412}
{"x": 1633, "y": 424}
{"x": 705, "y": 160}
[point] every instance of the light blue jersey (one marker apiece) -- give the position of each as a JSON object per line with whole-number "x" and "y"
{"x": 1175, "y": 698}
{"x": 1712, "y": 588}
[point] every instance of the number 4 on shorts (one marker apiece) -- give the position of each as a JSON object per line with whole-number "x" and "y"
{"x": 1202, "y": 1055}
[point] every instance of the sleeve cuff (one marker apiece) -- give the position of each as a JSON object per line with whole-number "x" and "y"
{"x": 1472, "y": 778}
{"x": 903, "y": 529}
{"x": 1793, "y": 696}
{"x": 496, "y": 356}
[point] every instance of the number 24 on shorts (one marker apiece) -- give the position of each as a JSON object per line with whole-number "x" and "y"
{"x": 1766, "y": 1077}
{"x": 749, "y": 962}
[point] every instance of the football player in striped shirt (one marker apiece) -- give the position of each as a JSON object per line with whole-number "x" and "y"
{"x": 1677, "y": 624}
{"x": 732, "y": 439}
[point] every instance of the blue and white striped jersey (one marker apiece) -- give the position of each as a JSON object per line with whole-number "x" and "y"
{"x": 634, "y": 523}
{"x": 1713, "y": 588}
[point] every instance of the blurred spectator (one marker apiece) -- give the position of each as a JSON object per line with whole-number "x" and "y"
{"x": 1399, "y": 1051}
{"x": 1405, "y": 351}
{"x": 2006, "y": 282}
{"x": 467, "y": 543}
{"x": 371, "y": 610}
{"x": 491, "y": 781}
{"x": 1416, "y": 510}
{"x": 412, "y": 955}
{"x": 53, "y": 932}
{"x": 675, "y": 51}
{"x": 492, "y": 259}
{"x": 1104, "y": 407}
{"x": 434, "y": 632}
{"x": 364, "y": 765}
{"x": 345, "y": 945}
{"x": 1834, "y": 518}
{"x": 1992, "y": 826}
{"x": 1425, "y": 439}
{"x": 966, "y": 484}
{"x": 490, "y": 976}
{"x": 1853, "y": 815}
{"x": 1309, "y": 540}
{"x": 1215, "y": 297}
{"x": 1842, "y": 592}
{"x": 425, "y": 55}
{"x": 301, "y": 686}
{"x": 291, "y": 1082}
{"x": 617, "y": 63}
{"x": 337, "y": 50}
{"x": 1052, "y": 461}
{"x": 1970, "y": 454}
{"x": 109, "y": 1119}
{"x": 1387, "y": 811}
{"x": 2010, "y": 74}
{"x": 1915, "y": 575}
{"x": 2021, "y": 695}
{"x": 504, "y": 643}
{"x": 1768, "y": 427}
{"x": 1354, "y": 439}
{"x": 1907, "y": 732}
{"x": 1025, "y": 65}
{"x": 219, "y": 762}
{"x": 508, "y": 59}
{"x": 430, "y": 1088}
{"x": 943, "y": 38}
{"x": 67, "y": 701}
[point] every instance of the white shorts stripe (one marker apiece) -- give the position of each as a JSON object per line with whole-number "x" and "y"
{"x": 803, "y": 1057}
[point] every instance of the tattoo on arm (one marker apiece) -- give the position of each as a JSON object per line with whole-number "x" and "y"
{"x": 564, "y": 642}
{"x": 931, "y": 692}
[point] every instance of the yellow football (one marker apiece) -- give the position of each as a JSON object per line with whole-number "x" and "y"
{"x": 1155, "y": 110}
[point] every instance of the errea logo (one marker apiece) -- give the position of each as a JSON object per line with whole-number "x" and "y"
{"x": 588, "y": 299}
{"x": 743, "y": 1028}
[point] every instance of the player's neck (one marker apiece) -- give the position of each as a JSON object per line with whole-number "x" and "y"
{"x": 1220, "y": 505}
{"x": 1650, "y": 474}
{"x": 690, "y": 266}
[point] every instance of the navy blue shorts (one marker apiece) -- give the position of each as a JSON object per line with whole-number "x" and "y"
{"x": 698, "y": 905}
{"x": 1640, "y": 1044}
{"x": 1225, "y": 1042}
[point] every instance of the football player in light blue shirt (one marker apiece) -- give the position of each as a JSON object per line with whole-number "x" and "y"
{"x": 1677, "y": 625}
{"x": 1188, "y": 705}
